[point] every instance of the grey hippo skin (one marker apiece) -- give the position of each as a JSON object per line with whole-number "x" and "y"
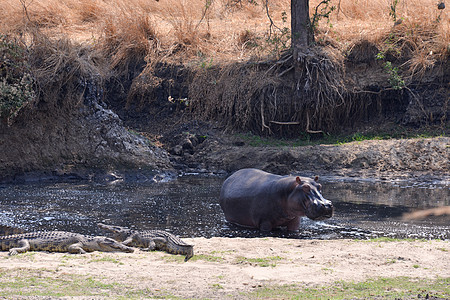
{"x": 257, "y": 199}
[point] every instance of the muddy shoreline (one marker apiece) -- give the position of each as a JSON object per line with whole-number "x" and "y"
{"x": 424, "y": 159}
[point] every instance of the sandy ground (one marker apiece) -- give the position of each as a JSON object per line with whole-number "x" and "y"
{"x": 224, "y": 267}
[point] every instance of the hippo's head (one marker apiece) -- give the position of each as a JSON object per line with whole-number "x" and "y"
{"x": 307, "y": 195}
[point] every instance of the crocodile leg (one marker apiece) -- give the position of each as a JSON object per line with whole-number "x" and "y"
{"x": 76, "y": 248}
{"x": 151, "y": 246}
{"x": 128, "y": 241}
{"x": 24, "y": 247}
{"x": 161, "y": 243}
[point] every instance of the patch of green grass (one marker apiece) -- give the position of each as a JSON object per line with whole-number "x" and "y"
{"x": 45, "y": 283}
{"x": 217, "y": 286}
{"x": 70, "y": 256}
{"x": 327, "y": 270}
{"x": 196, "y": 257}
{"x": 31, "y": 255}
{"x": 173, "y": 258}
{"x": 269, "y": 261}
{"x": 398, "y": 287}
{"x": 106, "y": 259}
{"x": 258, "y": 141}
{"x": 223, "y": 251}
{"x": 390, "y": 261}
{"x": 389, "y": 239}
{"x": 207, "y": 257}
{"x": 38, "y": 285}
{"x": 306, "y": 139}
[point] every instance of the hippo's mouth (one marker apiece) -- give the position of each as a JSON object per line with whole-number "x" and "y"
{"x": 322, "y": 217}
{"x": 324, "y": 213}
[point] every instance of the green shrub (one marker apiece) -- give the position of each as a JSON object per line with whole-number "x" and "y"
{"x": 16, "y": 81}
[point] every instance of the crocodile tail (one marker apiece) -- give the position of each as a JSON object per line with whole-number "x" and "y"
{"x": 177, "y": 246}
{"x": 171, "y": 248}
{"x": 189, "y": 253}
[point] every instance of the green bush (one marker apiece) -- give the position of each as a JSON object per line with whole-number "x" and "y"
{"x": 16, "y": 81}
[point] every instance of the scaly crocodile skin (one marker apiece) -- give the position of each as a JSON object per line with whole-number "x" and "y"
{"x": 150, "y": 240}
{"x": 59, "y": 241}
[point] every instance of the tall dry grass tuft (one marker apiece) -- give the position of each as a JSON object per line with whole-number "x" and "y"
{"x": 184, "y": 18}
{"x": 17, "y": 15}
{"x": 127, "y": 36}
{"x": 417, "y": 45}
{"x": 417, "y": 42}
{"x": 86, "y": 11}
{"x": 230, "y": 97}
{"x": 61, "y": 62}
{"x": 189, "y": 21}
{"x": 210, "y": 27}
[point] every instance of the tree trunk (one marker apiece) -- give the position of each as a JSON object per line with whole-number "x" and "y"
{"x": 302, "y": 34}
{"x": 302, "y": 37}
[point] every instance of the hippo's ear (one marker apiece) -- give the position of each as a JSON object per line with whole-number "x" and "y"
{"x": 299, "y": 181}
{"x": 316, "y": 178}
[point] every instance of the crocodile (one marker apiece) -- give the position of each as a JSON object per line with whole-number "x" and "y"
{"x": 149, "y": 240}
{"x": 59, "y": 241}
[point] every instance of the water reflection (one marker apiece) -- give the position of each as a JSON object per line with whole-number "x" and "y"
{"x": 189, "y": 207}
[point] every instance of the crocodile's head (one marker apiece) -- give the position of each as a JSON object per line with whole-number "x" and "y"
{"x": 119, "y": 233}
{"x": 107, "y": 244}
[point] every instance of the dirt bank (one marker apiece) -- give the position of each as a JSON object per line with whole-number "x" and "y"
{"x": 229, "y": 268}
{"x": 389, "y": 159}
{"x": 85, "y": 126}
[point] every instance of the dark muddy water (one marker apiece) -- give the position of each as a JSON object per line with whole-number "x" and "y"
{"x": 188, "y": 207}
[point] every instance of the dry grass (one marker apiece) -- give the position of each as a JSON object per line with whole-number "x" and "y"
{"x": 127, "y": 35}
{"x": 224, "y": 30}
{"x": 214, "y": 33}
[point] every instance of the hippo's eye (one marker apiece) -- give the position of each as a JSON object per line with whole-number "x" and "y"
{"x": 306, "y": 188}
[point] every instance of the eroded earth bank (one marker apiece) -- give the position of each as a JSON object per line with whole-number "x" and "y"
{"x": 82, "y": 126}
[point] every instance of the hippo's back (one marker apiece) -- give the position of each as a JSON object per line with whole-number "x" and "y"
{"x": 246, "y": 183}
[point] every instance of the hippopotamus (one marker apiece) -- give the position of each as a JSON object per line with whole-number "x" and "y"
{"x": 257, "y": 199}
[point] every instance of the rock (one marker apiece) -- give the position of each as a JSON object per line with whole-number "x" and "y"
{"x": 177, "y": 150}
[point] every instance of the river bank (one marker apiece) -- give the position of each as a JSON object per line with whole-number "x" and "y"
{"x": 238, "y": 268}
{"x": 220, "y": 155}
{"x": 87, "y": 99}
{"x": 393, "y": 159}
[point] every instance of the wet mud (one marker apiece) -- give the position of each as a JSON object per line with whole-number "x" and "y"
{"x": 188, "y": 207}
